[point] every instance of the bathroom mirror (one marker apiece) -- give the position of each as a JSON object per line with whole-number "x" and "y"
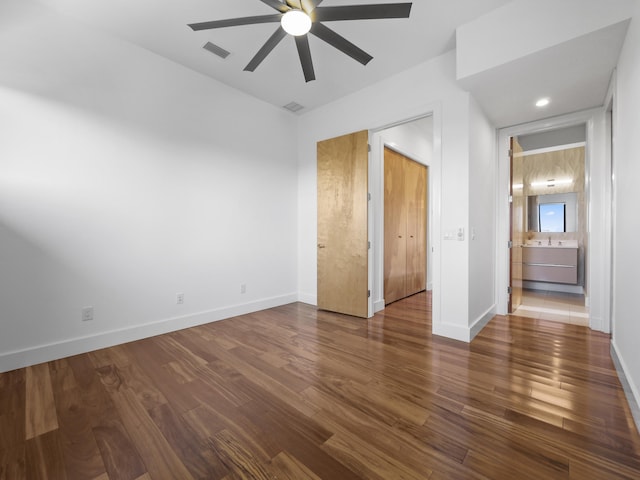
{"x": 554, "y": 213}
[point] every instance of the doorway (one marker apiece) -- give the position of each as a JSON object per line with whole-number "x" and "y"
{"x": 413, "y": 139}
{"x": 549, "y": 225}
{"x": 598, "y": 201}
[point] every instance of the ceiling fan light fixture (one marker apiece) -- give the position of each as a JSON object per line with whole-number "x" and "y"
{"x": 296, "y": 22}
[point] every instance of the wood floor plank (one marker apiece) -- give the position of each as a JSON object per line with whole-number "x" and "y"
{"x": 216, "y": 414}
{"x": 296, "y": 393}
{"x": 44, "y": 457}
{"x": 301, "y": 440}
{"x": 110, "y": 356}
{"x": 368, "y": 461}
{"x": 160, "y": 459}
{"x": 418, "y": 448}
{"x": 83, "y": 459}
{"x": 121, "y": 459}
{"x": 12, "y": 409}
{"x": 151, "y": 359}
{"x": 195, "y": 454}
{"x": 40, "y": 409}
{"x": 238, "y": 459}
{"x": 290, "y": 468}
{"x": 12, "y": 462}
{"x": 119, "y": 455}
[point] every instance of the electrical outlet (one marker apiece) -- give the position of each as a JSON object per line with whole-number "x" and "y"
{"x": 179, "y": 298}
{"x": 87, "y": 314}
{"x": 243, "y": 288}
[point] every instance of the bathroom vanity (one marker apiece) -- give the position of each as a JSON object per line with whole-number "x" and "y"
{"x": 555, "y": 263}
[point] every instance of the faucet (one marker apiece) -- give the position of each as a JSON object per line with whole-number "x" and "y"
{"x": 549, "y": 241}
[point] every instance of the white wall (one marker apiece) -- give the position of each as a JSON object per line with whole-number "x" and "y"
{"x": 124, "y": 179}
{"x": 626, "y": 325}
{"x": 513, "y": 31}
{"x": 482, "y": 219}
{"x": 429, "y": 87}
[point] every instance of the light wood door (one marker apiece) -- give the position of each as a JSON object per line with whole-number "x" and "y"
{"x": 395, "y": 227}
{"x": 517, "y": 219}
{"x": 416, "y": 195}
{"x": 405, "y": 231}
{"x": 343, "y": 267}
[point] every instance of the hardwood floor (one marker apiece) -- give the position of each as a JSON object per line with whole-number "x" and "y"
{"x": 295, "y": 393}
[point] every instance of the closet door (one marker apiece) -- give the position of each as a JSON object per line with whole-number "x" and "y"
{"x": 405, "y": 226}
{"x": 416, "y": 206}
{"x": 395, "y": 227}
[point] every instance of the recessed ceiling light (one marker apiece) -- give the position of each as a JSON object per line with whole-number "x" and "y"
{"x": 296, "y": 22}
{"x": 543, "y": 102}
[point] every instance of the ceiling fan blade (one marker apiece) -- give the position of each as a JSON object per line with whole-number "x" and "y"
{"x": 270, "y": 44}
{"x": 362, "y": 12}
{"x": 281, "y": 7}
{"x": 302, "y": 42}
{"x": 233, "y": 22}
{"x": 297, "y": 4}
{"x": 310, "y": 5}
{"x": 341, "y": 43}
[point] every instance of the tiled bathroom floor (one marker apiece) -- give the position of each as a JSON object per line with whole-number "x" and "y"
{"x": 554, "y": 306}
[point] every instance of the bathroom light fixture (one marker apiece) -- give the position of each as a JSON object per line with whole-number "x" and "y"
{"x": 543, "y": 102}
{"x": 552, "y": 183}
{"x": 296, "y": 22}
{"x": 518, "y": 186}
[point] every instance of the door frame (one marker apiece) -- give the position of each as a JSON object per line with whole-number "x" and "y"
{"x": 597, "y": 260}
{"x": 376, "y": 183}
{"x": 611, "y": 122}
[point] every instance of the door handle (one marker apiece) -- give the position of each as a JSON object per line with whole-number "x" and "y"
{"x": 321, "y": 245}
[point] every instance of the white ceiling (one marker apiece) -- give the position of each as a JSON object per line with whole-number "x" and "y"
{"x": 505, "y": 93}
{"x": 575, "y": 75}
{"x": 395, "y": 44}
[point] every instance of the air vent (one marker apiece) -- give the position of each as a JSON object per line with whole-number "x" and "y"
{"x": 293, "y": 107}
{"x": 216, "y": 50}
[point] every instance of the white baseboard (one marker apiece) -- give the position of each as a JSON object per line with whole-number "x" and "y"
{"x": 53, "y": 351}
{"x": 454, "y": 332}
{"x": 598, "y": 324}
{"x": 378, "y": 306}
{"x": 630, "y": 389}
{"x": 463, "y": 334}
{"x": 481, "y": 321}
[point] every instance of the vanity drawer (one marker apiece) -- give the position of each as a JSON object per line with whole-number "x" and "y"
{"x": 550, "y": 273}
{"x": 550, "y": 256}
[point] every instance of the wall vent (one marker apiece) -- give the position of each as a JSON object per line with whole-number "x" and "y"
{"x": 216, "y": 50}
{"x": 293, "y": 107}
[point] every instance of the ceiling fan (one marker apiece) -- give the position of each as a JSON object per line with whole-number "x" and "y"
{"x": 299, "y": 17}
